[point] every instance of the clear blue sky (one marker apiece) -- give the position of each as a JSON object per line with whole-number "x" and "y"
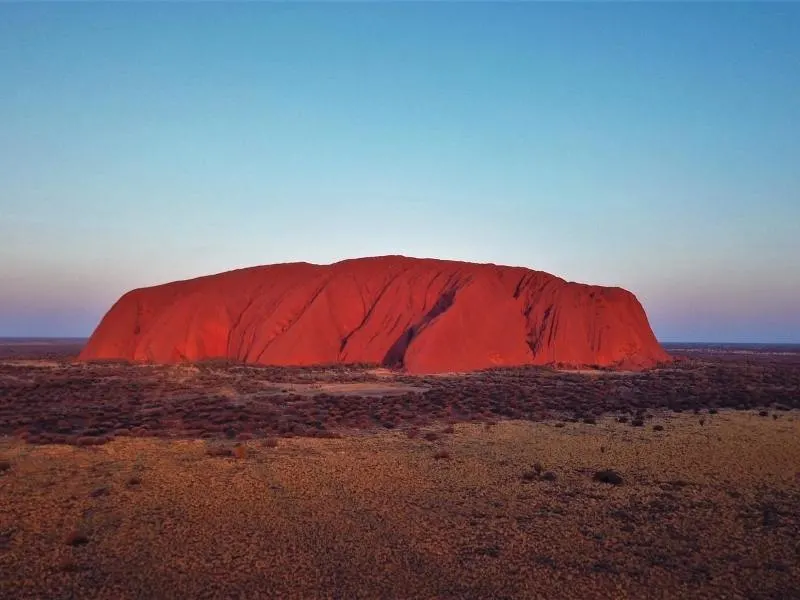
{"x": 651, "y": 146}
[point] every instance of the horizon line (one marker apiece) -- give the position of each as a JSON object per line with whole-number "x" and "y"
{"x": 38, "y": 338}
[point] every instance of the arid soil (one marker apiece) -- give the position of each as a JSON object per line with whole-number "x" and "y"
{"x": 218, "y": 480}
{"x": 505, "y": 511}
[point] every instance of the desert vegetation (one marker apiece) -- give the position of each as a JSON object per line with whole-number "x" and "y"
{"x": 129, "y": 480}
{"x": 84, "y": 404}
{"x": 515, "y": 510}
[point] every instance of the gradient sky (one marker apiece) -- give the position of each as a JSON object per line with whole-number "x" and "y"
{"x": 651, "y": 146}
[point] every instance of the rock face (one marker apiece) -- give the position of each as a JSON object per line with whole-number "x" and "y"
{"x": 422, "y": 315}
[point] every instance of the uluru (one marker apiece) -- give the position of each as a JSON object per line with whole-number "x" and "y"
{"x": 418, "y": 315}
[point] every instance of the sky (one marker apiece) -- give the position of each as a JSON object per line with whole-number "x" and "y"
{"x": 650, "y": 146}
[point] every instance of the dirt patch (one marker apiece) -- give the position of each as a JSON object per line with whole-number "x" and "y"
{"x": 382, "y": 373}
{"x": 32, "y": 363}
{"x": 597, "y": 372}
{"x": 354, "y": 389}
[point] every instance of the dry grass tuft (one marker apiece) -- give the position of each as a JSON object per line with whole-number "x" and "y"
{"x": 103, "y": 490}
{"x": 77, "y": 537}
{"x": 608, "y": 476}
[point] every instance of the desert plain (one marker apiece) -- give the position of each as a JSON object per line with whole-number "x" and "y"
{"x": 220, "y": 480}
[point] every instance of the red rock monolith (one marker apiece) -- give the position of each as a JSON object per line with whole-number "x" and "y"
{"x": 421, "y": 315}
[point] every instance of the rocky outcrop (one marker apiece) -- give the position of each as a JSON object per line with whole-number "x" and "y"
{"x": 421, "y": 315}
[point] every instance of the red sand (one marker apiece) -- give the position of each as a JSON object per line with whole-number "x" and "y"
{"x": 423, "y": 315}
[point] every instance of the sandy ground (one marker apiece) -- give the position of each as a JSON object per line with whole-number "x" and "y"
{"x": 32, "y": 363}
{"x": 350, "y": 389}
{"x": 705, "y": 511}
